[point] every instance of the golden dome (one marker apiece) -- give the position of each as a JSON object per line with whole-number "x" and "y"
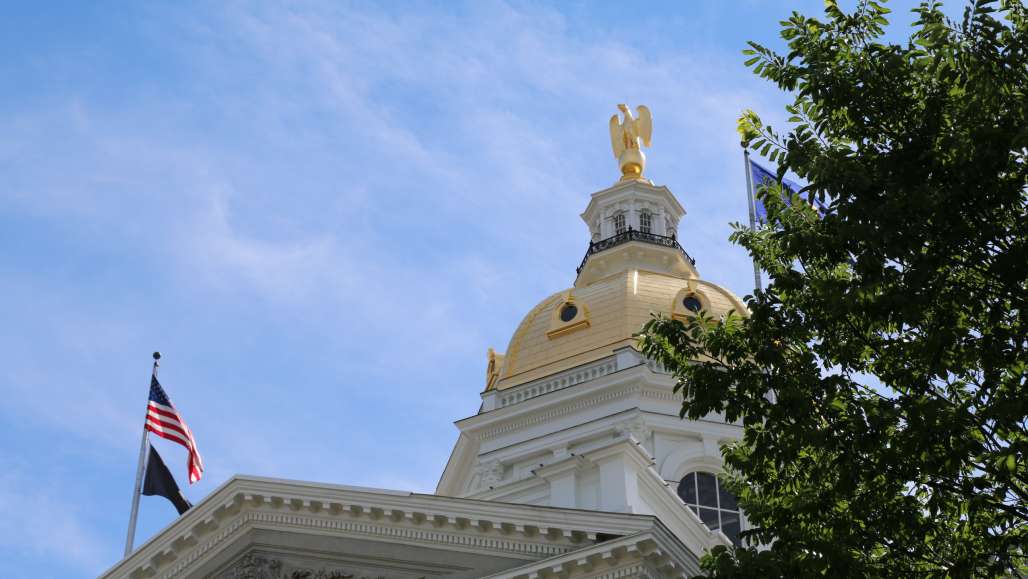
{"x": 583, "y": 324}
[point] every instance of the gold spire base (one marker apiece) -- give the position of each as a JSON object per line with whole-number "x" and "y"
{"x": 632, "y": 162}
{"x": 631, "y": 172}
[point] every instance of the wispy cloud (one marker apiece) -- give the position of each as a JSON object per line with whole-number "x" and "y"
{"x": 327, "y": 212}
{"x": 37, "y": 519}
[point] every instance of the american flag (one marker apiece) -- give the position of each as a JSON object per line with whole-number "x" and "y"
{"x": 164, "y": 420}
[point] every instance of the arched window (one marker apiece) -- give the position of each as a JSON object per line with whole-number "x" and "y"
{"x": 704, "y": 494}
{"x": 568, "y": 312}
{"x": 619, "y": 223}
{"x": 692, "y": 303}
{"x": 645, "y": 222}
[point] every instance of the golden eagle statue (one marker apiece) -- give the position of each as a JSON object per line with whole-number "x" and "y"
{"x": 625, "y": 137}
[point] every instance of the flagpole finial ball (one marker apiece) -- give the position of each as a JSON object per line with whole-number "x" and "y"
{"x": 156, "y": 355}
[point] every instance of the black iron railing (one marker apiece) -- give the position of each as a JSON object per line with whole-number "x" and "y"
{"x": 632, "y": 235}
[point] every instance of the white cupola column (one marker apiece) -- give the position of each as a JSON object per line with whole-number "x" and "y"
{"x": 653, "y": 251}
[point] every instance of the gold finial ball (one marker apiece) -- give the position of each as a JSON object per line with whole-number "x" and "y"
{"x": 632, "y": 162}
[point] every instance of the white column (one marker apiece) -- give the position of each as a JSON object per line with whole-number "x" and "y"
{"x": 619, "y": 466}
{"x": 627, "y": 357}
{"x": 618, "y": 483}
{"x": 562, "y": 490}
{"x": 563, "y": 481}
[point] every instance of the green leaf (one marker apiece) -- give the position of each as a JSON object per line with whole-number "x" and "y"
{"x": 890, "y": 331}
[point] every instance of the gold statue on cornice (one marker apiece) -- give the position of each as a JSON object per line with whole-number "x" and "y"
{"x": 627, "y": 137}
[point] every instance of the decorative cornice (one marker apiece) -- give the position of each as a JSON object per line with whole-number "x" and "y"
{"x": 254, "y": 566}
{"x": 684, "y": 523}
{"x": 653, "y": 553}
{"x": 557, "y": 381}
{"x": 635, "y": 426}
{"x": 459, "y": 524}
{"x": 561, "y": 410}
{"x": 477, "y": 541}
{"x": 561, "y": 467}
{"x": 500, "y": 493}
{"x": 509, "y": 541}
{"x": 454, "y": 478}
{"x": 663, "y": 395}
{"x": 588, "y": 400}
{"x": 628, "y": 188}
{"x": 526, "y": 401}
{"x": 625, "y": 448}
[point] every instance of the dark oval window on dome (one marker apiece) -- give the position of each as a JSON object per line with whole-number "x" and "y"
{"x": 568, "y": 312}
{"x": 692, "y": 303}
{"x": 705, "y": 495}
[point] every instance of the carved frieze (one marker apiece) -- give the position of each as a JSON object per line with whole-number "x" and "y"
{"x": 635, "y": 426}
{"x": 488, "y": 474}
{"x": 255, "y": 566}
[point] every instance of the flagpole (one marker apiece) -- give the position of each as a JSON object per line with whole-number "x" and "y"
{"x": 143, "y": 446}
{"x": 750, "y": 203}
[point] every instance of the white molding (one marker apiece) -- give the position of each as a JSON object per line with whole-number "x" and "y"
{"x": 458, "y": 467}
{"x": 624, "y": 447}
{"x": 500, "y": 493}
{"x": 628, "y": 190}
{"x": 245, "y": 502}
{"x": 687, "y": 460}
{"x": 563, "y": 410}
{"x": 622, "y": 557}
{"x": 466, "y": 542}
{"x": 558, "y": 403}
{"x": 559, "y": 381}
{"x": 571, "y": 417}
{"x": 684, "y": 523}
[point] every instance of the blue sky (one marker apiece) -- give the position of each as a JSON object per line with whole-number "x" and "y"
{"x": 323, "y": 214}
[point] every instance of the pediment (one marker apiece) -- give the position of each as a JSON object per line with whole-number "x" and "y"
{"x": 255, "y": 528}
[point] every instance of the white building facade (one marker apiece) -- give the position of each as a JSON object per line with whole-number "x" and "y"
{"x": 574, "y": 416}
{"x": 577, "y": 464}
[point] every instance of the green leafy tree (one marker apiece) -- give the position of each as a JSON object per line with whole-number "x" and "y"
{"x": 881, "y": 376}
